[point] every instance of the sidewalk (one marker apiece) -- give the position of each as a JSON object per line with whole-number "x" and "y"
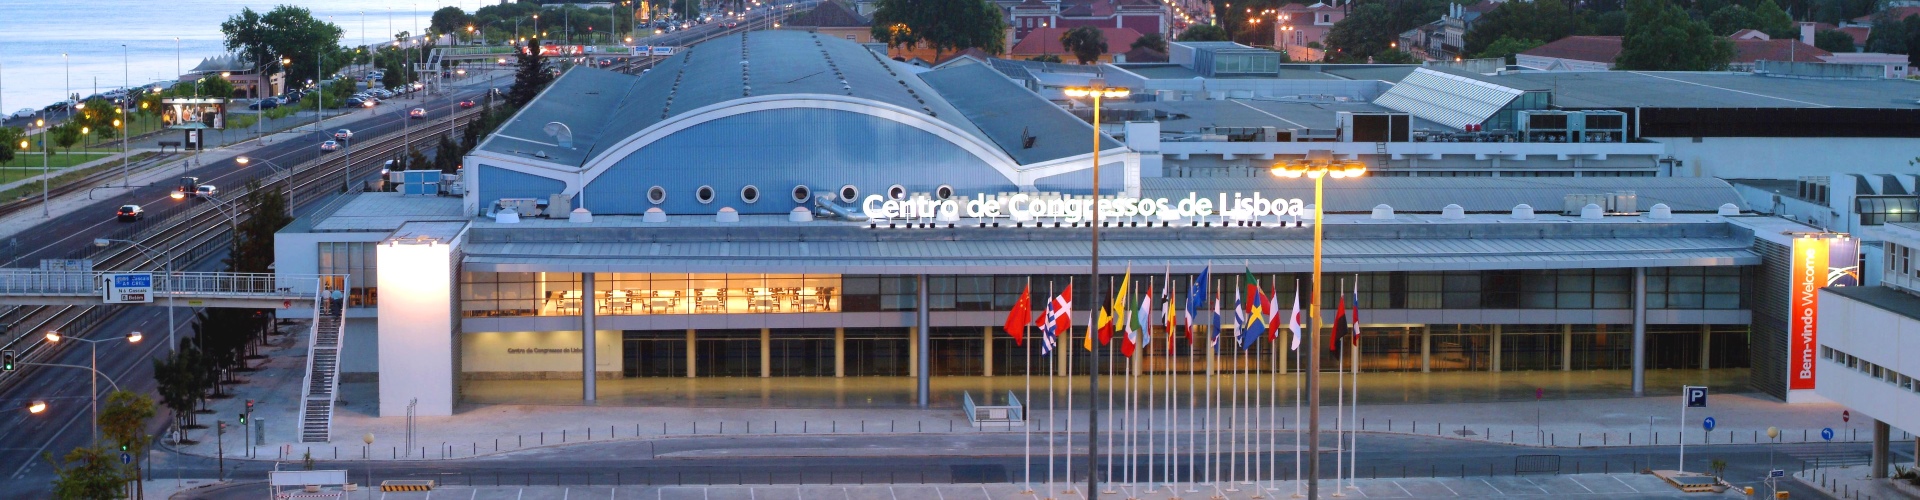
{"x": 1851, "y": 482}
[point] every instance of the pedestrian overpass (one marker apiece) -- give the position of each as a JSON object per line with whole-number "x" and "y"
{"x": 38, "y": 287}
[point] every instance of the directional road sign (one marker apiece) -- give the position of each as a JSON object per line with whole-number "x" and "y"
{"x": 1708, "y": 423}
{"x": 1776, "y": 473}
{"x": 125, "y": 458}
{"x": 1826, "y": 433}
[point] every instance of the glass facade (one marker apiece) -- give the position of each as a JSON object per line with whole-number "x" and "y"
{"x": 356, "y": 261}
{"x": 486, "y": 294}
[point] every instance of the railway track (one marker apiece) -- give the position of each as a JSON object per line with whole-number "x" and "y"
{"x": 195, "y": 233}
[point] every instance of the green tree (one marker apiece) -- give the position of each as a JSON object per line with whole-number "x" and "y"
{"x": 9, "y": 143}
{"x": 124, "y": 421}
{"x": 1050, "y": 58}
{"x": 1835, "y": 41}
{"x": 446, "y": 154}
{"x": 174, "y": 381}
{"x": 1150, "y": 41}
{"x": 253, "y": 244}
{"x": 87, "y": 473}
{"x": 288, "y": 32}
{"x": 1392, "y": 56}
{"x": 941, "y": 25}
{"x": 1890, "y": 34}
{"x": 1660, "y": 37}
{"x": 1609, "y": 23}
{"x": 1086, "y": 43}
{"x": 1203, "y": 33}
{"x": 530, "y": 77}
{"x": 1367, "y": 31}
{"x": 1505, "y": 48}
{"x": 449, "y": 20}
{"x": 65, "y": 135}
{"x": 1545, "y": 21}
{"x": 213, "y": 85}
{"x": 1774, "y": 21}
{"x": 1732, "y": 18}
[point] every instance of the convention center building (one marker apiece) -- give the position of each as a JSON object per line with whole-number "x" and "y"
{"x": 783, "y": 219}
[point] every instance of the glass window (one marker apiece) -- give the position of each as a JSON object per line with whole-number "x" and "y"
{"x": 355, "y": 262}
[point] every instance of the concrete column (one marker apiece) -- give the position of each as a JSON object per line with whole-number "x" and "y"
{"x": 1426, "y": 349}
{"x": 1706, "y": 346}
{"x": 1566, "y": 348}
{"x": 921, "y": 351}
{"x": 839, "y": 352}
{"x": 1493, "y": 348}
{"x": 1881, "y": 433}
{"x": 1639, "y": 331}
{"x": 766, "y": 352}
{"x": 588, "y": 365}
{"x": 986, "y": 335}
{"x": 692, "y": 360}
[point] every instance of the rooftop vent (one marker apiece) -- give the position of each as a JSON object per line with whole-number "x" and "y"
{"x": 1523, "y": 211}
{"x": 654, "y": 214}
{"x": 561, "y": 133}
{"x": 1660, "y": 211}
{"x": 1453, "y": 211}
{"x": 800, "y": 214}
{"x": 1729, "y": 209}
{"x": 727, "y": 214}
{"x": 580, "y": 216}
{"x": 1382, "y": 212}
{"x": 1592, "y": 211}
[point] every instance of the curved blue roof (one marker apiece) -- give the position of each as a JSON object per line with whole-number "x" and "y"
{"x": 602, "y": 107}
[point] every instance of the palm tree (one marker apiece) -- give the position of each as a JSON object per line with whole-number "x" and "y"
{"x": 1086, "y": 43}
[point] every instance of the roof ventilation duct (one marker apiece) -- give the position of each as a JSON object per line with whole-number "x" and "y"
{"x": 1660, "y": 211}
{"x": 1592, "y": 211}
{"x": 654, "y": 214}
{"x": 726, "y": 214}
{"x": 1729, "y": 209}
{"x": 1382, "y": 212}
{"x": 1523, "y": 211}
{"x": 580, "y": 216}
{"x": 800, "y": 214}
{"x": 1453, "y": 211}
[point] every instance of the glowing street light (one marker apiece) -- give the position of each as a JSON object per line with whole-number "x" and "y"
{"x": 1318, "y": 170}
{"x": 1098, "y": 90}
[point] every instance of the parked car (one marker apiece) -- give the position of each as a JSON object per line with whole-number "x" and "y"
{"x": 466, "y": 104}
{"x": 264, "y": 104}
{"x": 417, "y": 113}
{"x": 22, "y": 113}
{"x": 130, "y": 213}
{"x": 329, "y": 146}
{"x": 343, "y": 134}
{"x": 356, "y": 102}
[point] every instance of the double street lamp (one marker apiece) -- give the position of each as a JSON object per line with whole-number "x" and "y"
{"x": 1318, "y": 170}
{"x": 1098, "y": 90}
{"x": 93, "y": 397}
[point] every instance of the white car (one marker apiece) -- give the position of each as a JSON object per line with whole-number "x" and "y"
{"x": 22, "y": 113}
{"x": 418, "y": 113}
{"x": 343, "y": 134}
{"x": 330, "y": 146}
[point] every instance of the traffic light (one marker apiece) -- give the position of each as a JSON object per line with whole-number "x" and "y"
{"x": 249, "y": 406}
{"x": 8, "y": 360}
{"x": 123, "y": 447}
{"x": 243, "y": 419}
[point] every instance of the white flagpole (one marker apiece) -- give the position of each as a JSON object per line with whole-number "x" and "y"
{"x": 1297, "y": 390}
{"x": 1193, "y": 396}
{"x": 1051, "y": 372}
{"x": 1339, "y": 406}
{"x": 1233, "y": 421}
{"x": 1353, "y": 449}
{"x": 1144, "y": 351}
{"x": 1173, "y": 396}
{"x": 1068, "y": 343}
{"x": 1026, "y": 424}
{"x": 1133, "y": 395}
{"x": 1111, "y": 418}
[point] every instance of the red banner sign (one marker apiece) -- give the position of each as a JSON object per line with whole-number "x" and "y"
{"x": 1810, "y": 262}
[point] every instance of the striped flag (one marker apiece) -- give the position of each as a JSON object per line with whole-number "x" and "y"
{"x": 1059, "y": 317}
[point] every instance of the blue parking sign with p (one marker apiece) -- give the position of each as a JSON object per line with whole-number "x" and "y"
{"x": 1696, "y": 397}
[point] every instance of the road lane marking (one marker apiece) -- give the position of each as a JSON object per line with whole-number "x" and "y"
{"x": 1496, "y": 489}
{"x": 1403, "y": 489}
{"x": 1624, "y": 483}
{"x": 1443, "y": 484}
{"x": 1537, "y": 485}
{"x": 1582, "y": 486}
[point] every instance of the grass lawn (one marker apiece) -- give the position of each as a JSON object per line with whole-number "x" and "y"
{"x": 30, "y": 161}
{"x": 63, "y": 178}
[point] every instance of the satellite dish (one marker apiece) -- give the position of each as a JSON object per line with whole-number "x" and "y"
{"x": 561, "y": 133}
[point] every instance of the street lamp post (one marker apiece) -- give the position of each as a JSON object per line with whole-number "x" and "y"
{"x": 243, "y": 161}
{"x": 46, "y": 165}
{"x": 1096, "y": 89}
{"x": 93, "y": 397}
{"x": 1318, "y": 170}
{"x": 163, "y": 255}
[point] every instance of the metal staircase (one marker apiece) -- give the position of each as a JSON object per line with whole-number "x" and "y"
{"x": 323, "y": 369}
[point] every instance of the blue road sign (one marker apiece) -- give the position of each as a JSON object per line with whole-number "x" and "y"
{"x": 1696, "y": 397}
{"x": 1708, "y": 423}
{"x": 1776, "y": 473}
{"x": 133, "y": 280}
{"x": 1826, "y": 433}
{"x": 125, "y": 458}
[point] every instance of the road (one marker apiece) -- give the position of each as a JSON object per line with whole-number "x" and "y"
{"x": 965, "y": 458}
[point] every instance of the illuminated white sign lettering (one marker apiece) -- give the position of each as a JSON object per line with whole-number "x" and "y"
{"x": 1027, "y": 207}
